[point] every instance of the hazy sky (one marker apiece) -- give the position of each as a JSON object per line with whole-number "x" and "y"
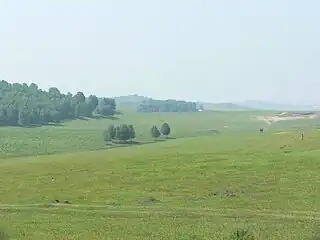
{"x": 209, "y": 50}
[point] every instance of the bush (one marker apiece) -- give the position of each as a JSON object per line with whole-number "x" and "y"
{"x": 241, "y": 234}
{"x": 155, "y": 133}
{"x": 165, "y": 129}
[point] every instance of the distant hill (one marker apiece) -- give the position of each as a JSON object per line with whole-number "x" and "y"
{"x": 227, "y": 106}
{"x": 146, "y": 104}
{"x": 130, "y": 99}
{"x": 264, "y": 105}
{"x": 133, "y": 101}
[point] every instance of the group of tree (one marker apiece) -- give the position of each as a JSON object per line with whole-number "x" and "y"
{"x": 25, "y": 105}
{"x": 152, "y": 105}
{"x": 119, "y": 134}
{"x": 164, "y": 130}
{"x": 124, "y": 133}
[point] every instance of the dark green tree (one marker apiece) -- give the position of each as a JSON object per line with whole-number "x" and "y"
{"x": 23, "y": 104}
{"x": 107, "y": 136}
{"x": 122, "y": 133}
{"x": 79, "y": 97}
{"x": 12, "y": 115}
{"x": 155, "y": 133}
{"x": 106, "y": 110}
{"x": 34, "y": 116}
{"x": 111, "y": 131}
{"x": 77, "y": 110}
{"x": 132, "y": 133}
{"x": 24, "y": 118}
{"x": 165, "y": 129}
{"x": 85, "y": 109}
{"x": 55, "y": 116}
{"x": 107, "y": 107}
{"x": 3, "y": 116}
{"x": 93, "y": 102}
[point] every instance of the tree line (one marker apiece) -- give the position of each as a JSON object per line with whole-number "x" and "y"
{"x": 124, "y": 133}
{"x": 153, "y": 105}
{"x": 26, "y": 105}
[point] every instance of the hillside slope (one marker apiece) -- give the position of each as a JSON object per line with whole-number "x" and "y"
{"x": 199, "y": 188}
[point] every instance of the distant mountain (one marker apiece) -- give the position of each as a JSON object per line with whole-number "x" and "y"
{"x": 265, "y": 105}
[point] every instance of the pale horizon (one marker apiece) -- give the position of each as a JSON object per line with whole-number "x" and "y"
{"x": 208, "y": 51}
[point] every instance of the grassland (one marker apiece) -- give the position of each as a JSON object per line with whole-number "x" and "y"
{"x": 189, "y": 188}
{"x": 82, "y": 135}
{"x": 87, "y": 134}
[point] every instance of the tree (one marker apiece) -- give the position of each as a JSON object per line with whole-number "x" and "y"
{"x": 24, "y": 105}
{"x": 24, "y": 118}
{"x": 93, "y": 102}
{"x": 12, "y": 116}
{"x": 77, "y": 110}
{"x": 122, "y": 133}
{"x": 111, "y": 131}
{"x": 55, "y": 116}
{"x": 165, "y": 129}
{"x": 132, "y": 133}
{"x": 79, "y": 97}
{"x": 34, "y": 116}
{"x": 107, "y": 136}
{"x": 2, "y": 115}
{"x": 155, "y": 133}
{"x": 107, "y": 107}
{"x": 85, "y": 109}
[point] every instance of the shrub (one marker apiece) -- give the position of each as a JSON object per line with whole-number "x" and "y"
{"x": 241, "y": 234}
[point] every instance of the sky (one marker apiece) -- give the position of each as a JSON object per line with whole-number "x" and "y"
{"x": 206, "y": 50}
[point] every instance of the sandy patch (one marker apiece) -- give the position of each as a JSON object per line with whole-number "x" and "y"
{"x": 287, "y": 116}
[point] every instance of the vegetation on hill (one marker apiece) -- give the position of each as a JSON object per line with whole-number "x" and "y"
{"x": 170, "y": 105}
{"x": 25, "y": 105}
{"x": 133, "y": 98}
{"x": 146, "y": 104}
{"x": 228, "y": 106}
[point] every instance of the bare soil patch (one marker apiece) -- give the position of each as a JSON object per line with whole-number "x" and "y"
{"x": 287, "y": 116}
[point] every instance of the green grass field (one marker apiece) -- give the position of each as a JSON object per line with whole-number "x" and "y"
{"x": 198, "y": 186}
{"x": 83, "y": 135}
{"x": 87, "y": 134}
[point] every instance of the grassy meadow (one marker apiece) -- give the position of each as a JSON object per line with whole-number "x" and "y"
{"x": 87, "y": 134}
{"x": 198, "y": 186}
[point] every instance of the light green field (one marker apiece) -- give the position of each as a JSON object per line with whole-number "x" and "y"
{"x": 275, "y": 178}
{"x": 87, "y": 135}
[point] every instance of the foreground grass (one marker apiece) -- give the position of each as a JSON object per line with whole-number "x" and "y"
{"x": 275, "y": 178}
